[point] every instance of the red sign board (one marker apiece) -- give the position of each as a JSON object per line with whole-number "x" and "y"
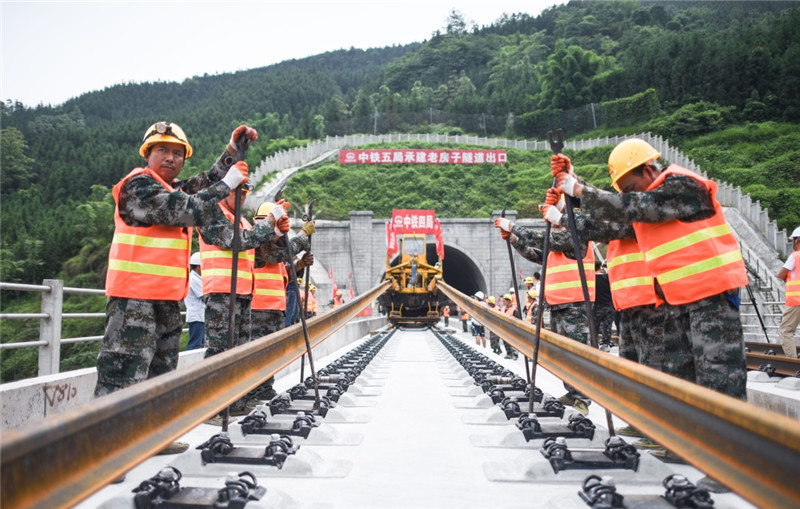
{"x": 422, "y": 156}
{"x": 413, "y": 221}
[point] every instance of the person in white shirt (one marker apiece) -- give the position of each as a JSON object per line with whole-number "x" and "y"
{"x": 195, "y": 309}
{"x": 790, "y": 272}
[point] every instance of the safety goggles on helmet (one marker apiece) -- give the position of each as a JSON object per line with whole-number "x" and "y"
{"x": 164, "y": 132}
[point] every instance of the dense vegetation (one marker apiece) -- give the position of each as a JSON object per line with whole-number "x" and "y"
{"x": 718, "y": 79}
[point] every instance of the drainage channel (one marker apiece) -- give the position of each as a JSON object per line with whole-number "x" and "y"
{"x": 411, "y": 418}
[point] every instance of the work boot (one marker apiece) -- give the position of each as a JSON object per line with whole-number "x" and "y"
{"x": 174, "y": 448}
{"x": 581, "y": 406}
{"x": 712, "y": 485}
{"x": 646, "y": 443}
{"x": 629, "y": 431}
{"x": 667, "y": 456}
{"x": 508, "y": 356}
{"x": 119, "y": 480}
{"x": 515, "y": 356}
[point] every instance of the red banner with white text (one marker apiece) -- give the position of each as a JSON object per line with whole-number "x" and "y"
{"x": 422, "y": 156}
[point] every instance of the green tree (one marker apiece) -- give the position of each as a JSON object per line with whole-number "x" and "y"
{"x": 15, "y": 164}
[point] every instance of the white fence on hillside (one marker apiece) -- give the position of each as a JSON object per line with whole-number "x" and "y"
{"x": 728, "y": 195}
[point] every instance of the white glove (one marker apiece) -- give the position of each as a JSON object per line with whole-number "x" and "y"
{"x": 552, "y": 215}
{"x": 567, "y": 182}
{"x": 236, "y": 175}
{"x": 504, "y": 224}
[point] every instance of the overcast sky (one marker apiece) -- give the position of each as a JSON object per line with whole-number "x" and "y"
{"x": 55, "y": 50}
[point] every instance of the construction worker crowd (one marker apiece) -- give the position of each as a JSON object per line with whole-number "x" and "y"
{"x": 674, "y": 268}
{"x": 150, "y": 261}
{"x": 674, "y": 271}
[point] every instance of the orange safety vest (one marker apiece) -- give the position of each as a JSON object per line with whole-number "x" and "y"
{"x": 692, "y": 260}
{"x": 631, "y": 282}
{"x": 147, "y": 262}
{"x": 270, "y": 291}
{"x": 216, "y": 265}
{"x": 312, "y": 302}
{"x": 338, "y": 301}
{"x": 562, "y": 283}
{"x": 446, "y": 312}
{"x": 793, "y": 283}
{"x": 510, "y": 310}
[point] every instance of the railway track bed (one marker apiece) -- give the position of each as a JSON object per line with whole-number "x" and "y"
{"x": 413, "y": 430}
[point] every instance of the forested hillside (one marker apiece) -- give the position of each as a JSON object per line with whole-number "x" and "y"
{"x": 681, "y": 69}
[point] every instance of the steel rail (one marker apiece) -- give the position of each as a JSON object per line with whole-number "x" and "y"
{"x": 753, "y": 451}
{"x": 69, "y": 456}
{"x": 783, "y": 365}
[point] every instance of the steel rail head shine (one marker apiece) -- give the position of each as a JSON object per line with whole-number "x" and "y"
{"x": 69, "y": 456}
{"x": 754, "y": 451}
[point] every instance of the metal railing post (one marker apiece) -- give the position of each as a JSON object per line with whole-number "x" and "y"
{"x": 50, "y": 327}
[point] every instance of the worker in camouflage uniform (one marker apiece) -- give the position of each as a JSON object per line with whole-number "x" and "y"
{"x": 148, "y": 261}
{"x": 567, "y": 311}
{"x": 271, "y": 279}
{"x": 690, "y": 249}
{"x": 149, "y": 257}
{"x": 494, "y": 339}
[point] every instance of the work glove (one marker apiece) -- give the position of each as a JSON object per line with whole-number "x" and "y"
{"x": 285, "y": 204}
{"x": 566, "y": 183}
{"x": 553, "y": 197}
{"x": 551, "y": 214}
{"x": 250, "y": 133}
{"x": 282, "y": 225}
{"x": 237, "y": 174}
{"x": 560, "y": 163}
{"x": 308, "y": 259}
{"x": 309, "y": 228}
{"x": 505, "y": 226}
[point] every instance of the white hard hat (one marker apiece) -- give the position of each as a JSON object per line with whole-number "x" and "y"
{"x": 511, "y": 291}
{"x": 195, "y": 259}
{"x": 479, "y": 294}
{"x": 796, "y": 233}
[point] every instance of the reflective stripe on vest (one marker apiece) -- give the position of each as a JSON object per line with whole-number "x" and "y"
{"x": 793, "y": 282}
{"x": 562, "y": 283}
{"x": 147, "y": 262}
{"x": 216, "y": 265}
{"x": 692, "y": 260}
{"x": 270, "y": 292}
{"x": 631, "y": 283}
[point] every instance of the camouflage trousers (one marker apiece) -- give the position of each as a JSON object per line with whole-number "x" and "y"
{"x": 603, "y": 321}
{"x": 641, "y": 336}
{"x": 704, "y": 344}
{"x": 570, "y": 320}
{"x": 494, "y": 342}
{"x": 262, "y": 323}
{"x": 218, "y": 321}
{"x": 141, "y": 340}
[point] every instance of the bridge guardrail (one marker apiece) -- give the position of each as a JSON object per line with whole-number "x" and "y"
{"x": 51, "y": 318}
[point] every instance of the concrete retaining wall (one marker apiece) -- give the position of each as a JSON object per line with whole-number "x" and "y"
{"x": 29, "y": 401}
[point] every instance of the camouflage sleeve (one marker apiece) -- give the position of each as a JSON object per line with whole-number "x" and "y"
{"x": 589, "y": 228}
{"x": 277, "y": 252}
{"x": 679, "y": 197}
{"x": 144, "y": 202}
{"x": 220, "y": 233}
{"x": 528, "y": 243}
{"x": 212, "y": 176}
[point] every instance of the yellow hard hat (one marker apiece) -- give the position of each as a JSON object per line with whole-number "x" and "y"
{"x": 627, "y": 156}
{"x": 311, "y": 288}
{"x": 528, "y": 279}
{"x": 299, "y": 281}
{"x": 532, "y": 293}
{"x": 338, "y": 293}
{"x": 263, "y": 210}
{"x": 507, "y": 296}
{"x": 164, "y": 132}
{"x": 491, "y": 299}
